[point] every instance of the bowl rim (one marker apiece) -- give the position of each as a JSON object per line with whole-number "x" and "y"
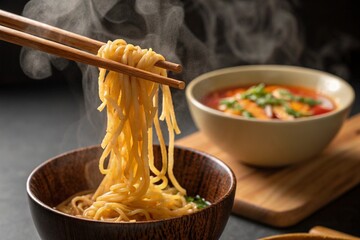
{"x": 278, "y": 68}
{"x": 210, "y": 157}
{"x": 308, "y": 236}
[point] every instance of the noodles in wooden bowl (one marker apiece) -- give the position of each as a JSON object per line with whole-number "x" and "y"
{"x": 127, "y": 188}
{"x": 77, "y": 171}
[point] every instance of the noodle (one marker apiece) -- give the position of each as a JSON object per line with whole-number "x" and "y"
{"x": 133, "y": 188}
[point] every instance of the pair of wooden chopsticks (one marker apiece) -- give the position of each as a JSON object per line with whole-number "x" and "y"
{"x": 30, "y": 33}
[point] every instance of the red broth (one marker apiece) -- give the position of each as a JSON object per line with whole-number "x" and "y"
{"x": 270, "y": 102}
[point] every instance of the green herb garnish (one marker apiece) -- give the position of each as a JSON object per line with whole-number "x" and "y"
{"x": 292, "y": 112}
{"x": 247, "y": 114}
{"x": 254, "y": 92}
{"x": 260, "y": 96}
{"x": 199, "y": 201}
{"x": 235, "y": 105}
{"x": 285, "y": 94}
{"x": 268, "y": 99}
{"x": 231, "y": 104}
{"x": 288, "y": 96}
{"x": 310, "y": 101}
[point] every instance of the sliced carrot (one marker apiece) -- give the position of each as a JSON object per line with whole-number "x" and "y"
{"x": 280, "y": 113}
{"x": 301, "y": 107}
{"x": 254, "y": 109}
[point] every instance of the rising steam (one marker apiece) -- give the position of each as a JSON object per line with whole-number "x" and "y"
{"x": 201, "y": 34}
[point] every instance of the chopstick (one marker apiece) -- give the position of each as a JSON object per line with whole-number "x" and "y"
{"x": 72, "y": 46}
{"x": 62, "y": 36}
{"x": 319, "y": 230}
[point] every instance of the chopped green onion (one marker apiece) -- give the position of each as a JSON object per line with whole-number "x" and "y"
{"x": 199, "y": 201}
{"x": 258, "y": 95}
{"x": 268, "y": 99}
{"x": 288, "y": 96}
{"x": 292, "y": 112}
{"x": 309, "y": 101}
{"x": 254, "y": 92}
{"x": 231, "y": 104}
{"x": 247, "y": 114}
{"x": 285, "y": 94}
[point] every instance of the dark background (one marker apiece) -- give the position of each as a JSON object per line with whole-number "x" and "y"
{"x": 320, "y": 21}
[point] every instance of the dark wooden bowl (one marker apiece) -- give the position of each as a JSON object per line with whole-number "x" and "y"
{"x": 76, "y": 171}
{"x": 302, "y": 236}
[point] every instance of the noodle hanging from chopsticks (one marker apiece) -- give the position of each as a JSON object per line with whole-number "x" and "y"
{"x": 133, "y": 189}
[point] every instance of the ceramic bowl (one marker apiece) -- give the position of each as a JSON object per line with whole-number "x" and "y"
{"x": 268, "y": 143}
{"x": 76, "y": 171}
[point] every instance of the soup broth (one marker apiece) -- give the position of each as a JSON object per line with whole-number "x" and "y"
{"x": 270, "y": 102}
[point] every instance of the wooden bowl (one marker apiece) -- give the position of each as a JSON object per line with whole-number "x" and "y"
{"x": 301, "y": 236}
{"x": 76, "y": 171}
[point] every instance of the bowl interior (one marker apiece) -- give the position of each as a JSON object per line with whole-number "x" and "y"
{"x": 324, "y": 83}
{"x": 73, "y": 172}
{"x": 63, "y": 176}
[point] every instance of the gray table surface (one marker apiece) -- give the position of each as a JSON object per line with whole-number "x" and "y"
{"x": 38, "y": 121}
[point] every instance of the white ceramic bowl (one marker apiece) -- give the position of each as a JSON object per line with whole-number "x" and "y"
{"x": 269, "y": 143}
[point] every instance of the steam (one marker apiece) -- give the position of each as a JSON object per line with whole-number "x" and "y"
{"x": 202, "y": 35}
{"x": 253, "y": 31}
{"x": 235, "y": 32}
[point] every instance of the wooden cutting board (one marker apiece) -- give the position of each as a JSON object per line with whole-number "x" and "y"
{"x": 282, "y": 197}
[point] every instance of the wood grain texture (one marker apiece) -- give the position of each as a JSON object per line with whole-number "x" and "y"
{"x": 62, "y": 36}
{"x": 301, "y": 236}
{"x": 73, "y": 172}
{"x": 282, "y": 197}
{"x": 323, "y": 231}
{"x": 64, "y": 51}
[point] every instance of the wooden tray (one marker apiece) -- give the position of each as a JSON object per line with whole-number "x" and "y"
{"x": 282, "y": 197}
